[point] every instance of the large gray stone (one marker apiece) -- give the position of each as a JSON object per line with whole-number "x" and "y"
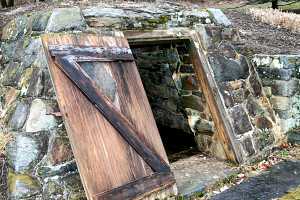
{"x": 65, "y": 19}
{"x": 287, "y": 124}
{"x": 275, "y": 73}
{"x": 20, "y": 115}
{"x": 26, "y": 150}
{"x": 11, "y": 74}
{"x": 240, "y": 120}
{"x": 40, "y": 20}
{"x": 219, "y": 17}
{"x": 104, "y": 12}
{"x": 227, "y": 69}
{"x": 196, "y": 173}
{"x": 280, "y": 103}
{"x": 39, "y": 119}
{"x": 73, "y": 186}
{"x": 285, "y": 88}
{"x": 17, "y": 28}
{"x": 203, "y": 126}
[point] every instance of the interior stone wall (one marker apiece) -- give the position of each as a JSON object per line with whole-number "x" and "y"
{"x": 173, "y": 90}
{"x": 40, "y": 160}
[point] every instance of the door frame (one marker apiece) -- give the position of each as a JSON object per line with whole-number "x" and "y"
{"x": 204, "y": 74}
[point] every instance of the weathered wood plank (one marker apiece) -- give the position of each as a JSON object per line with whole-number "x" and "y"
{"x": 116, "y": 119}
{"x": 110, "y": 54}
{"x": 138, "y": 187}
{"x": 105, "y": 161}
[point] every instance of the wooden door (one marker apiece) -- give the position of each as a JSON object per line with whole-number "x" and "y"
{"x": 109, "y": 121}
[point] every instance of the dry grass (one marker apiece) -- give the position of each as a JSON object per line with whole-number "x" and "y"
{"x": 277, "y": 18}
{"x": 4, "y": 139}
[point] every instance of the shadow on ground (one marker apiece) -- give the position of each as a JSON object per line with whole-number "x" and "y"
{"x": 271, "y": 184}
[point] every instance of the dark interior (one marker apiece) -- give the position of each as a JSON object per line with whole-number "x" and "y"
{"x": 157, "y": 63}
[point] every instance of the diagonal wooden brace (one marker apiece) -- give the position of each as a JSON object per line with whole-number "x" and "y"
{"x": 69, "y": 65}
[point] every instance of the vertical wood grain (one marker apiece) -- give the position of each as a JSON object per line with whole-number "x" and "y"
{"x": 104, "y": 159}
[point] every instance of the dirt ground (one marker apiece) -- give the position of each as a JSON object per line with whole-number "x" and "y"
{"x": 263, "y": 38}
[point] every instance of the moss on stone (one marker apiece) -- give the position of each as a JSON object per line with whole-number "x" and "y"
{"x": 155, "y": 22}
{"x": 293, "y": 194}
{"x": 25, "y": 80}
{"x": 21, "y": 180}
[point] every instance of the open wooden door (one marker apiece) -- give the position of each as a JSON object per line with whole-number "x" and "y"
{"x": 109, "y": 121}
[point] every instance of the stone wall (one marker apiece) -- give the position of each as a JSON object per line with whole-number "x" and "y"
{"x": 280, "y": 77}
{"x": 40, "y": 160}
{"x": 254, "y": 123}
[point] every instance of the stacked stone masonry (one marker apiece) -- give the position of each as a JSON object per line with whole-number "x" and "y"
{"x": 255, "y": 125}
{"x": 280, "y": 77}
{"x": 173, "y": 90}
{"x": 40, "y": 160}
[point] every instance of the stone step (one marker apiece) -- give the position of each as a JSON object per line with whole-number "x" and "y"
{"x": 198, "y": 172}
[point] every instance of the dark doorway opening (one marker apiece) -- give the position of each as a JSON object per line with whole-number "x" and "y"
{"x": 162, "y": 66}
{"x": 180, "y": 110}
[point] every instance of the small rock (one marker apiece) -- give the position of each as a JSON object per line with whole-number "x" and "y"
{"x": 74, "y": 186}
{"x": 13, "y": 72}
{"x": 193, "y": 102}
{"x": 263, "y": 123}
{"x": 60, "y": 150}
{"x": 189, "y": 82}
{"x": 53, "y": 189}
{"x": 248, "y": 146}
